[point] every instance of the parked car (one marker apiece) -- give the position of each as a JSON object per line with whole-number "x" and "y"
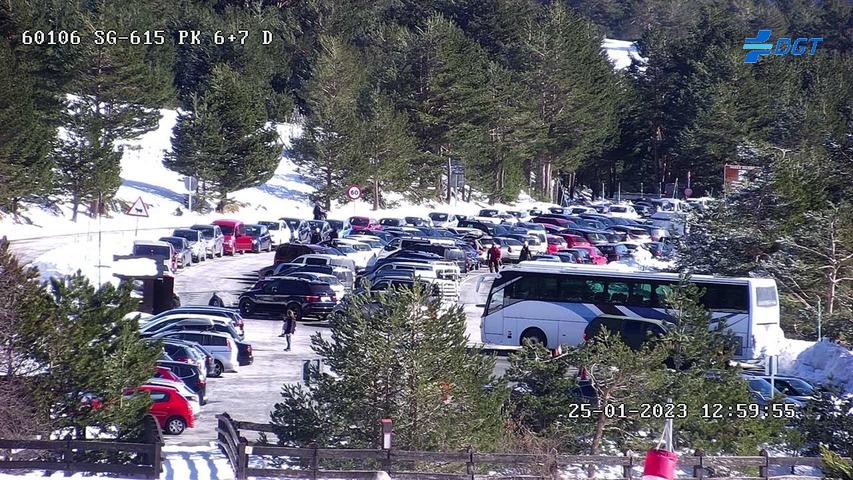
{"x": 192, "y": 376}
{"x": 614, "y": 251}
{"x": 334, "y": 283}
{"x": 195, "y": 240}
{"x": 184, "y": 353}
{"x": 181, "y": 388}
{"x": 623, "y": 211}
{"x": 279, "y": 231}
{"x": 236, "y": 238}
{"x": 286, "y": 253}
{"x": 305, "y": 297}
{"x": 392, "y": 222}
{"x": 364, "y": 224}
{"x": 214, "y": 239}
{"x": 595, "y": 255}
{"x": 322, "y": 259}
{"x": 293, "y": 224}
{"x": 791, "y": 387}
{"x": 441, "y": 219}
{"x": 201, "y": 325}
{"x": 659, "y": 249}
{"x": 261, "y": 239}
{"x": 581, "y": 255}
{"x": 555, "y": 244}
{"x": 342, "y": 227}
{"x": 222, "y": 345}
{"x": 232, "y": 315}
{"x": 157, "y": 250}
{"x": 314, "y": 231}
{"x": 183, "y": 254}
{"x": 172, "y": 411}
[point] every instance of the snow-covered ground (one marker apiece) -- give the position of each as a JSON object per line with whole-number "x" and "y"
{"x": 621, "y": 52}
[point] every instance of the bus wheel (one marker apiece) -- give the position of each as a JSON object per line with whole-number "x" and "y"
{"x": 534, "y": 336}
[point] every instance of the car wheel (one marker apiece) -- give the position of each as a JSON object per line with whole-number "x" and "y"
{"x": 534, "y": 336}
{"x": 269, "y": 247}
{"x": 221, "y": 252}
{"x": 175, "y": 426}
{"x": 297, "y": 309}
{"x": 218, "y": 369}
{"x": 247, "y": 307}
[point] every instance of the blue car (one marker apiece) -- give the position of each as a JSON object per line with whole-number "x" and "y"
{"x": 343, "y": 227}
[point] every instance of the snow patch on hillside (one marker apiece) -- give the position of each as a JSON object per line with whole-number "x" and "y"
{"x": 821, "y": 362}
{"x": 621, "y": 52}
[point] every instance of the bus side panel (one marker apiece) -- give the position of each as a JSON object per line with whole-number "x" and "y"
{"x": 532, "y": 314}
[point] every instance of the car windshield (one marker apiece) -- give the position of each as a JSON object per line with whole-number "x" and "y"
{"x": 763, "y": 387}
{"x": 253, "y": 231}
{"x": 488, "y": 213}
{"x": 618, "y": 209}
{"x": 345, "y": 249}
{"x": 798, "y": 387}
{"x": 336, "y": 224}
{"x": 293, "y": 223}
{"x": 359, "y": 221}
{"x": 439, "y": 217}
{"x": 227, "y": 230}
{"x": 269, "y": 225}
{"x": 556, "y": 241}
{"x": 316, "y": 223}
{"x": 175, "y": 242}
{"x": 207, "y": 232}
{"x": 190, "y": 236}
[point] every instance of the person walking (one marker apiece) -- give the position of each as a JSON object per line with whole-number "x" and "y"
{"x": 525, "y": 253}
{"x": 494, "y": 258}
{"x": 288, "y": 327}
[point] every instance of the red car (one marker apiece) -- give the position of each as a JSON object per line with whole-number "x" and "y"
{"x": 559, "y": 222}
{"x": 166, "y": 374}
{"x": 595, "y": 255}
{"x": 236, "y": 239}
{"x": 575, "y": 240}
{"x": 555, "y": 244}
{"x": 364, "y": 224}
{"x": 172, "y": 411}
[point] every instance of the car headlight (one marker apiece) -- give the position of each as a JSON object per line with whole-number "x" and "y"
{"x": 254, "y": 241}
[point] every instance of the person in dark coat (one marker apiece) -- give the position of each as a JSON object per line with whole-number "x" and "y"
{"x": 288, "y": 327}
{"x": 216, "y": 301}
{"x": 319, "y": 214}
{"x": 525, "y": 253}
{"x": 333, "y": 234}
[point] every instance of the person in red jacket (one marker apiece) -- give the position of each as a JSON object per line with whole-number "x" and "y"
{"x": 494, "y": 258}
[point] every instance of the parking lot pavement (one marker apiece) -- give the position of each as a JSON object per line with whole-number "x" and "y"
{"x": 250, "y": 394}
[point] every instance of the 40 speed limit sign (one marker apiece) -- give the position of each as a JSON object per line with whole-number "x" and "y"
{"x": 353, "y": 192}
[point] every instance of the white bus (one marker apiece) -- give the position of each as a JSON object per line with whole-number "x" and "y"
{"x": 554, "y": 305}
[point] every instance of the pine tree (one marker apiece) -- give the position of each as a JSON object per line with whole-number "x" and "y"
{"x": 92, "y": 349}
{"x": 389, "y": 147}
{"x": 25, "y": 140}
{"x": 403, "y": 358}
{"x": 114, "y": 95}
{"x": 327, "y": 153}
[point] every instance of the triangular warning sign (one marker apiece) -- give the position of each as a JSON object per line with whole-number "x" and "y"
{"x": 138, "y": 209}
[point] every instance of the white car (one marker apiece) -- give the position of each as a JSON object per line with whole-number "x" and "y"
{"x": 196, "y": 241}
{"x": 510, "y": 249}
{"x": 221, "y": 345}
{"x": 359, "y": 252}
{"x": 333, "y": 281}
{"x": 624, "y": 211}
{"x": 441, "y": 219}
{"x": 521, "y": 215}
{"x": 376, "y": 243}
{"x": 280, "y": 232}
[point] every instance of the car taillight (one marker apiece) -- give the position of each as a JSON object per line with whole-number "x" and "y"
{"x": 583, "y": 337}
{"x": 312, "y": 298}
{"x": 200, "y": 383}
{"x": 334, "y": 298}
{"x": 228, "y": 343}
{"x": 249, "y": 349}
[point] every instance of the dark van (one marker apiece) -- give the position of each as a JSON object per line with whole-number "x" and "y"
{"x": 286, "y": 253}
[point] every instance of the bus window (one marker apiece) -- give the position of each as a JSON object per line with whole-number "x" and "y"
{"x": 496, "y": 301}
{"x": 574, "y": 290}
{"x": 640, "y": 294}
{"x": 726, "y": 297}
{"x": 618, "y": 292}
{"x": 660, "y": 293}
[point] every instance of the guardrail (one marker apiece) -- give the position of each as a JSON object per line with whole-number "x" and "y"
{"x": 239, "y": 451}
{"x": 70, "y": 455}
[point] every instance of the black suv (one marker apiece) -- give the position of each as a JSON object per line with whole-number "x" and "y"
{"x": 307, "y": 298}
{"x": 314, "y": 231}
{"x": 190, "y": 374}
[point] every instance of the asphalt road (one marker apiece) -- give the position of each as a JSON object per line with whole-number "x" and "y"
{"x": 251, "y": 393}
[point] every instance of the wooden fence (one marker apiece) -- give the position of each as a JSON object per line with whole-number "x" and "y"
{"x": 239, "y": 450}
{"x": 69, "y": 455}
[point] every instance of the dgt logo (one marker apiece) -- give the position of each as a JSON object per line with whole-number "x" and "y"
{"x": 784, "y": 46}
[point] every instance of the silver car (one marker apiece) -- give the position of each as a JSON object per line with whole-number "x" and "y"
{"x": 198, "y": 245}
{"x": 182, "y": 250}
{"x": 215, "y": 240}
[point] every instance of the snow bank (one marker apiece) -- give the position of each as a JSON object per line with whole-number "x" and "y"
{"x": 135, "y": 267}
{"x": 819, "y": 362}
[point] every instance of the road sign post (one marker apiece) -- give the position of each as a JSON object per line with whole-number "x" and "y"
{"x": 353, "y": 192}
{"x": 191, "y": 185}
{"x": 138, "y": 210}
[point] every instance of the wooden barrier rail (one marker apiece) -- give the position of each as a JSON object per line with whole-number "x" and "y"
{"x": 239, "y": 450}
{"x": 14, "y": 453}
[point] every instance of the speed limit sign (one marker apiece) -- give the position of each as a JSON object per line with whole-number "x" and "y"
{"x": 353, "y": 192}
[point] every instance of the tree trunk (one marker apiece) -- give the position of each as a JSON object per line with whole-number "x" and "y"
{"x": 75, "y": 206}
{"x": 375, "y": 193}
{"x": 329, "y": 184}
{"x": 830, "y": 300}
{"x": 599, "y": 433}
{"x": 223, "y": 200}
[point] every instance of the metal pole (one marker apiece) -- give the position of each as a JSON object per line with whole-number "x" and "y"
{"x": 449, "y": 177}
{"x": 674, "y": 188}
{"x": 619, "y": 195}
{"x": 602, "y": 191}
{"x": 190, "y": 202}
{"x": 818, "y": 320}
{"x": 99, "y": 240}
{"x": 641, "y": 189}
{"x": 688, "y": 179}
